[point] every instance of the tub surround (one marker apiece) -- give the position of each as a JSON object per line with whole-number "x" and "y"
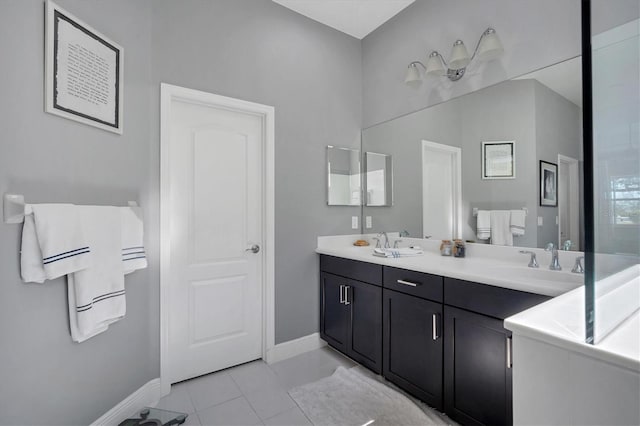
{"x": 560, "y": 321}
{"x": 493, "y": 265}
{"x": 572, "y": 382}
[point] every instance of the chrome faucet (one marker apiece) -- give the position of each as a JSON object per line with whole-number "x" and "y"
{"x": 533, "y": 262}
{"x": 386, "y": 239}
{"x": 577, "y": 268}
{"x": 377, "y": 242}
{"x": 566, "y": 246}
{"x": 555, "y": 262}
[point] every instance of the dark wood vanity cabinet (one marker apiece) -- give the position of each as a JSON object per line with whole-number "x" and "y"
{"x": 477, "y": 350}
{"x": 351, "y": 310}
{"x": 440, "y": 339}
{"x": 334, "y": 314}
{"x": 412, "y": 352}
{"x": 477, "y": 369}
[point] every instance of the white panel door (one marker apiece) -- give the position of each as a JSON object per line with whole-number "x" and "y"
{"x": 441, "y": 191}
{"x": 215, "y": 289}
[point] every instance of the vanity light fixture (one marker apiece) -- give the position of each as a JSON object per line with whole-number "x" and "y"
{"x": 488, "y": 48}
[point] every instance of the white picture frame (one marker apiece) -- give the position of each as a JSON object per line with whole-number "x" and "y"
{"x": 498, "y": 160}
{"x": 83, "y": 72}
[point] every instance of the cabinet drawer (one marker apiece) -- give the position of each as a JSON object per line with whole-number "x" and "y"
{"x": 487, "y": 299}
{"x": 414, "y": 283}
{"x": 361, "y": 271}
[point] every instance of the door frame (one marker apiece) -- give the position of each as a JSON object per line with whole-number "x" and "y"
{"x": 456, "y": 178}
{"x": 169, "y": 93}
{"x": 574, "y": 200}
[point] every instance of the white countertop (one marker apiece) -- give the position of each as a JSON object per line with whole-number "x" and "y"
{"x": 485, "y": 270}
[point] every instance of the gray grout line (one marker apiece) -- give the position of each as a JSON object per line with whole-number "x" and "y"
{"x": 186, "y": 389}
{"x": 245, "y": 397}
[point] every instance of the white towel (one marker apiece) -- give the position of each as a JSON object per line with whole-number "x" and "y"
{"x": 483, "y": 231}
{"x": 53, "y": 243}
{"x": 518, "y": 219}
{"x": 96, "y": 294}
{"x": 500, "y": 228}
{"x": 133, "y": 254}
{"x": 398, "y": 252}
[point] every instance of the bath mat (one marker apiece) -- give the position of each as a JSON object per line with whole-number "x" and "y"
{"x": 350, "y": 398}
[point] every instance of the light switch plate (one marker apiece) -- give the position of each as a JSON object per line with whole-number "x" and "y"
{"x": 540, "y": 221}
{"x": 369, "y": 222}
{"x": 354, "y": 222}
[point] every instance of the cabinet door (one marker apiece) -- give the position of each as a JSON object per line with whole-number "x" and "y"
{"x": 477, "y": 379}
{"x": 334, "y": 314}
{"x": 365, "y": 343}
{"x": 413, "y": 345}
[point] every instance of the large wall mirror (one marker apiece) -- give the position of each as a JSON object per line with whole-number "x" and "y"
{"x": 438, "y": 157}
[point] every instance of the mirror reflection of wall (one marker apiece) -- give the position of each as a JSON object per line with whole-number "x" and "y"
{"x": 540, "y": 111}
{"x": 378, "y": 179}
{"x": 343, "y": 176}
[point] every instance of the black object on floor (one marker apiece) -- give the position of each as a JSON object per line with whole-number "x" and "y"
{"x": 156, "y": 417}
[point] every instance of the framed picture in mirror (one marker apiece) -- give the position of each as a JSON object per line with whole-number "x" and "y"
{"x": 498, "y": 160}
{"x": 548, "y": 184}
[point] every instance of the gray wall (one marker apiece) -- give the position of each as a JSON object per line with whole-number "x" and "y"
{"x": 255, "y": 50}
{"x": 45, "y": 377}
{"x": 262, "y": 52}
{"x": 535, "y": 34}
{"x": 558, "y": 131}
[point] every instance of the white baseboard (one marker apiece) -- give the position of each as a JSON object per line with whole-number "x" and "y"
{"x": 295, "y": 347}
{"x": 146, "y": 396}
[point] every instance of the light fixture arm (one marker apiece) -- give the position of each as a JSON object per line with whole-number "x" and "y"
{"x": 484, "y": 33}
{"x": 414, "y": 63}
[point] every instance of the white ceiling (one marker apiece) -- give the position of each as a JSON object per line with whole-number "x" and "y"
{"x": 564, "y": 78}
{"x": 354, "y": 17}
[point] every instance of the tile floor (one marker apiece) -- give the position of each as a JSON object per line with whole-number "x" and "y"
{"x": 253, "y": 393}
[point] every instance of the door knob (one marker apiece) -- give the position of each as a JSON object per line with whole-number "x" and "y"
{"x": 254, "y": 248}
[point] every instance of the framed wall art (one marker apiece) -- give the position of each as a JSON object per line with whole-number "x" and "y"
{"x": 499, "y": 160}
{"x": 83, "y": 72}
{"x": 548, "y": 184}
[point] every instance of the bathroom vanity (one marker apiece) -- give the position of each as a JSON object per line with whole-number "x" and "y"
{"x": 437, "y": 336}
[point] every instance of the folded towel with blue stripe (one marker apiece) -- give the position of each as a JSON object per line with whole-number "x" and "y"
{"x": 396, "y": 252}
{"x": 96, "y": 294}
{"x": 53, "y": 243}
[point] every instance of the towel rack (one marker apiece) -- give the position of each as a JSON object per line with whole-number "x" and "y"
{"x": 476, "y": 209}
{"x": 14, "y": 208}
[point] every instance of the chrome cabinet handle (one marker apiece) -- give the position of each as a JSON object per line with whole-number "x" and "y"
{"x": 434, "y": 327}
{"x": 346, "y": 294}
{"x": 509, "y": 356}
{"x": 409, "y": 283}
{"x": 342, "y": 293}
{"x": 254, "y": 248}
